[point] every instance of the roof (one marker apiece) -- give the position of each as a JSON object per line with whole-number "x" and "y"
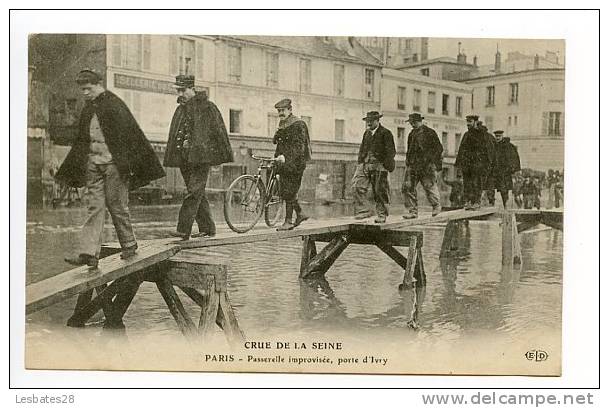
{"x": 341, "y": 48}
{"x": 503, "y": 74}
{"x": 439, "y": 60}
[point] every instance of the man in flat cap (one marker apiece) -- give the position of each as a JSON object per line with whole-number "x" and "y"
{"x": 488, "y": 181}
{"x": 110, "y": 156}
{"x": 375, "y": 160}
{"x": 423, "y": 160}
{"x": 473, "y": 160}
{"x": 293, "y": 152}
{"x": 197, "y": 141}
{"x": 507, "y": 163}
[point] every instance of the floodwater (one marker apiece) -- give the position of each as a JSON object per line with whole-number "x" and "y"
{"x": 469, "y": 305}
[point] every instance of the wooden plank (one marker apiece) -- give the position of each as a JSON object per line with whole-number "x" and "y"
{"x": 419, "y": 269}
{"x": 176, "y": 308}
{"x": 67, "y": 284}
{"x": 209, "y": 309}
{"x": 84, "y": 313}
{"x": 397, "y": 222}
{"x": 449, "y": 241}
{"x": 360, "y": 234}
{"x": 320, "y": 264}
{"x": 393, "y": 254}
{"x": 523, "y": 226}
{"x": 309, "y": 251}
{"x": 408, "y": 281}
{"x": 552, "y": 219}
{"x": 227, "y": 316}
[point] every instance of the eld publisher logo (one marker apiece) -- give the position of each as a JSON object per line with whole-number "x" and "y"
{"x": 536, "y": 355}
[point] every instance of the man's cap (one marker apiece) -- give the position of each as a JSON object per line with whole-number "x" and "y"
{"x": 498, "y": 132}
{"x": 472, "y": 117}
{"x": 88, "y": 76}
{"x": 372, "y": 115}
{"x": 415, "y": 117}
{"x": 284, "y": 104}
{"x": 185, "y": 81}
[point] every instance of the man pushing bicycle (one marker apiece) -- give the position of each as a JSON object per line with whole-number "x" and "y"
{"x": 292, "y": 153}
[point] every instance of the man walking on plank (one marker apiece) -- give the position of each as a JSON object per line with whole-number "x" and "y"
{"x": 423, "y": 159}
{"x": 506, "y": 164}
{"x": 293, "y": 151}
{"x": 375, "y": 160}
{"x": 197, "y": 141}
{"x": 111, "y": 156}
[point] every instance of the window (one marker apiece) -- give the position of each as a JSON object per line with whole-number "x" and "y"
{"x": 339, "y": 80}
{"x": 425, "y": 71}
{"x": 401, "y": 140}
{"x": 401, "y": 98}
{"x": 445, "y": 99}
{"x": 305, "y": 75}
{"x": 509, "y": 121}
{"x": 369, "y": 84}
{"x": 309, "y": 121}
{"x": 339, "y": 130}
{"x": 431, "y": 102}
{"x": 445, "y": 142}
{"x": 272, "y": 121}
{"x": 554, "y": 125}
{"x": 127, "y": 51}
{"x": 235, "y": 121}
{"x": 416, "y": 100}
{"x": 457, "y": 142}
{"x": 415, "y": 57}
{"x": 272, "y": 70}
{"x": 458, "y": 106}
{"x": 147, "y": 52}
{"x": 513, "y": 93}
{"x": 515, "y": 120}
{"x": 472, "y": 100}
{"x": 187, "y": 56}
{"x": 490, "y": 96}
{"x": 234, "y": 63}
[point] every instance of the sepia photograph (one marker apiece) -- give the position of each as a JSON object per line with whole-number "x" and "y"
{"x": 295, "y": 204}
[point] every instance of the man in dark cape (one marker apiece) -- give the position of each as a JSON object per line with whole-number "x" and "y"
{"x": 423, "y": 159}
{"x": 488, "y": 180}
{"x": 197, "y": 141}
{"x": 111, "y": 155}
{"x": 473, "y": 159}
{"x": 507, "y": 162}
{"x": 293, "y": 151}
{"x": 375, "y": 160}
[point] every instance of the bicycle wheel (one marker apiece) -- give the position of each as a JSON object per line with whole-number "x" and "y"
{"x": 243, "y": 203}
{"x": 274, "y": 209}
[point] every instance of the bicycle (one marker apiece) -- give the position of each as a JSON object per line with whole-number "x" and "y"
{"x": 248, "y": 196}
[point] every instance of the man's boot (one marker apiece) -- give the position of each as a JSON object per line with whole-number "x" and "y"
{"x": 436, "y": 210}
{"x": 300, "y": 215}
{"x": 83, "y": 259}
{"x": 411, "y": 214}
{"x": 287, "y": 224}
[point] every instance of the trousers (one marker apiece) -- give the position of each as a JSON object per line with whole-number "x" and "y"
{"x": 106, "y": 189}
{"x": 195, "y": 205}
{"x": 368, "y": 178}
{"x": 472, "y": 185}
{"x": 427, "y": 178}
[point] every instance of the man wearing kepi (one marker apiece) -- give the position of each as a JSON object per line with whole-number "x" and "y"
{"x": 110, "y": 156}
{"x": 293, "y": 151}
{"x": 375, "y": 160}
{"x": 423, "y": 159}
{"x": 197, "y": 141}
{"x": 474, "y": 160}
{"x": 507, "y": 163}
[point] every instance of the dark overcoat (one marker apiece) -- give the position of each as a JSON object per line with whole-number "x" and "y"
{"x": 424, "y": 149}
{"x": 208, "y": 138}
{"x": 292, "y": 140}
{"x": 381, "y": 145}
{"x": 131, "y": 151}
{"x": 474, "y": 153}
{"x": 489, "y": 180}
{"x": 507, "y": 163}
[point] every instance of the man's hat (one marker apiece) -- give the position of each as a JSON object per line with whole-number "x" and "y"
{"x": 284, "y": 104}
{"x": 415, "y": 117}
{"x": 472, "y": 117}
{"x": 88, "y": 76}
{"x": 372, "y": 115}
{"x": 498, "y": 132}
{"x": 185, "y": 81}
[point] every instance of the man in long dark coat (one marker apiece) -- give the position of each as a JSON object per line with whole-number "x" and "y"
{"x": 197, "y": 141}
{"x": 423, "y": 159}
{"x": 111, "y": 155}
{"x": 474, "y": 161}
{"x": 488, "y": 182}
{"x": 375, "y": 160}
{"x": 507, "y": 162}
{"x": 293, "y": 151}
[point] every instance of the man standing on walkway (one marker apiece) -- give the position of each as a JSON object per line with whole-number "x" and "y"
{"x": 423, "y": 159}
{"x": 197, "y": 141}
{"x": 488, "y": 180}
{"x": 473, "y": 159}
{"x": 506, "y": 164}
{"x": 375, "y": 160}
{"x": 293, "y": 151}
{"x": 111, "y": 155}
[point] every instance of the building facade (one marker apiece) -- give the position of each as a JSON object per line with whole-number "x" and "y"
{"x": 395, "y": 51}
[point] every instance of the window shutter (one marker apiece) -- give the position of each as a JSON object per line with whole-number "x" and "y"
{"x": 545, "y": 124}
{"x": 116, "y": 49}
{"x": 562, "y": 125}
{"x": 200, "y": 63}
{"x": 147, "y": 50}
{"x": 173, "y": 56}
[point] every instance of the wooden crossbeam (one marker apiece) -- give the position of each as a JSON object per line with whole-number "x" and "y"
{"x": 321, "y": 262}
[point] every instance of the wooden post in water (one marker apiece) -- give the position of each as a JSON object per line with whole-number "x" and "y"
{"x": 321, "y": 262}
{"x": 450, "y": 240}
{"x": 413, "y": 252}
{"x": 510, "y": 247}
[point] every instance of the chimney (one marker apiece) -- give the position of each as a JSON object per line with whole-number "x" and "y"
{"x": 497, "y": 60}
{"x": 536, "y": 62}
{"x": 461, "y": 57}
{"x": 475, "y": 60}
